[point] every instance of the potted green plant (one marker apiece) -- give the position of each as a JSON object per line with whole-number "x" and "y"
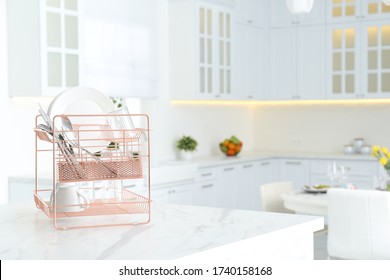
{"x": 186, "y": 145}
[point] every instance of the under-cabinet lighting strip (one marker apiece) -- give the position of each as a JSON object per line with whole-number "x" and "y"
{"x": 282, "y": 102}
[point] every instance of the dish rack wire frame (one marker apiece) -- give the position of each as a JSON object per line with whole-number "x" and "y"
{"x": 132, "y": 203}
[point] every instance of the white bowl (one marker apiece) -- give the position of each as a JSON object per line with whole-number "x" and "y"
{"x": 349, "y": 149}
{"x": 365, "y": 150}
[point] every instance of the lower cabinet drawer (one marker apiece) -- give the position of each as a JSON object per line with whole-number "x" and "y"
{"x": 360, "y": 168}
{"x": 204, "y": 193}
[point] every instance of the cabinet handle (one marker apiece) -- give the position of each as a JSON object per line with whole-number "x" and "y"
{"x": 250, "y": 21}
{"x": 206, "y": 174}
{"x": 293, "y": 162}
{"x": 228, "y": 169}
{"x": 265, "y": 163}
{"x": 217, "y": 96}
{"x": 248, "y": 165}
{"x": 250, "y": 97}
{"x": 207, "y": 186}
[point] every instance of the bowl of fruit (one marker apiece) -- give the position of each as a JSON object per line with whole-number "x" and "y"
{"x": 231, "y": 146}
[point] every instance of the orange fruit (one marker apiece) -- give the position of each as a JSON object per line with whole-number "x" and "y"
{"x": 231, "y": 152}
{"x": 226, "y": 143}
{"x": 231, "y": 146}
{"x": 238, "y": 148}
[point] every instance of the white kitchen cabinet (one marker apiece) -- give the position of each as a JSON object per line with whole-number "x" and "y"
{"x": 375, "y": 77}
{"x": 120, "y": 47}
{"x": 297, "y": 63}
{"x": 359, "y": 173}
{"x": 204, "y": 192}
{"x": 200, "y": 50}
{"x": 296, "y": 171}
{"x": 250, "y": 12}
{"x": 280, "y": 16}
{"x": 343, "y": 63}
{"x": 180, "y": 193}
{"x": 359, "y": 64}
{"x": 349, "y": 11}
{"x": 248, "y": 62}
{"x": 228, "y": 178}
{"x": 267, "y": 171}
{"x": 43, "y": 46}
{"x": 246, "y": 189}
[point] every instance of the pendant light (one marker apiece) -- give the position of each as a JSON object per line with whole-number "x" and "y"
{"x": 387, "y": 2}
{"x": 300, "y": 6}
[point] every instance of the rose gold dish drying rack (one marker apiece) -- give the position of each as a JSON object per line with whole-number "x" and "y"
{"x": 103, "y": 160}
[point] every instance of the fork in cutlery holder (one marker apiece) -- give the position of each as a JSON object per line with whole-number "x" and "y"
{"x": 120, "y": 174}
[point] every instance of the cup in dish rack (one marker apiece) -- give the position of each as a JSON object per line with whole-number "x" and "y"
{"x": 68, "y": 198}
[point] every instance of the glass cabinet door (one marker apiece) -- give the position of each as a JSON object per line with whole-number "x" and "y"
{"x": 376, "y": 59}
{"x": 375, "y": 9}
{"x": 224, "y": 53}
{"x": 343, "y": 10}
{"x": 214, "y": 51}
{"x": 60, "y": 53}
{"x": 344, "y": 62}
{"x": 205, "y": 58}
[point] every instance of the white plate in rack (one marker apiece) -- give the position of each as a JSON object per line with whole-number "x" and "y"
{"x": 83, "y": 100}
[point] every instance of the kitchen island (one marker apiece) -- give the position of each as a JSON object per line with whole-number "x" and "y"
{"x": 174, "y": 232}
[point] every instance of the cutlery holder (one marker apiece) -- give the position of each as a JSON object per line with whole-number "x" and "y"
{"x": 119, "y": 155}
{"x": 124, "y": 169}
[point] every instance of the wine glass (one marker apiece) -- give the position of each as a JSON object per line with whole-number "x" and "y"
{"x": 332, "y": 172}
{"x": 342, "y": 177}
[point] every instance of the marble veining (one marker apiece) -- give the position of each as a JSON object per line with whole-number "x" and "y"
{"x": 174, "y": 231}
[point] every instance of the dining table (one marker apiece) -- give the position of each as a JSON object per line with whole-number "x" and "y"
{"x": 306, "y": 202}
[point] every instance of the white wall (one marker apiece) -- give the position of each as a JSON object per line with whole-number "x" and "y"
{"x": 321, "y": 127}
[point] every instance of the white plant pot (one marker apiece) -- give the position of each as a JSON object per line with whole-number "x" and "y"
{"x": 186, "y": 155}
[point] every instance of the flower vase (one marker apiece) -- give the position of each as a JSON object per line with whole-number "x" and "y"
{"x": 387, "y": 180}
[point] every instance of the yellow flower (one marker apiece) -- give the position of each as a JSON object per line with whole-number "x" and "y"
{"x": 383, "y": 161}
{"x": 388, "y": 154}
{"x": 384, "y": 150}
{"x": 375, "y": 148}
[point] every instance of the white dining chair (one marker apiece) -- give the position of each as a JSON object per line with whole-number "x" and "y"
{"x": 270, "y": 196}
{"x": 358, "y": 224}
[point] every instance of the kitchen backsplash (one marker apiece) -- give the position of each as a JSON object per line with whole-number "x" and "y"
{"x": 320, "y": 127}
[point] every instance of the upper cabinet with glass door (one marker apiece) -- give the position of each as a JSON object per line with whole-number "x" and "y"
{"x": 43, "y": 46}
{"x": 200, "y": 50}
{"x": 360, "y": 60}
{"x": 61, "y": 52}
{"x": 343, "y": 64}
{"x": 376, "y": 59}
{"x": 352, "y": 10}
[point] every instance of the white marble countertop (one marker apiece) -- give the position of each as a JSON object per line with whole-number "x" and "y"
{"x": 209, "y": 161}
{"x": 175, "y": 231}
